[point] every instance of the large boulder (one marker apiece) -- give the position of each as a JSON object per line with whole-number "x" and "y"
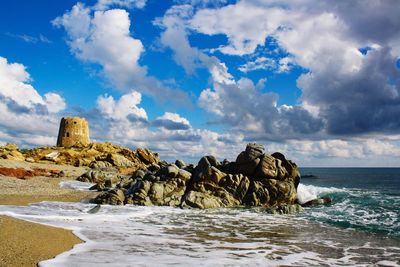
{"x": 254, "y": 179}
{"x": 213, "y": 188}
{"x": 112, "y": 197}
{"x": 248, "y": 160}
{"x": 147, "y": 156}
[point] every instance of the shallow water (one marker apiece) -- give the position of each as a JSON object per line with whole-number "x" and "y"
{"x": 360, "y": 228}
{"x": 132, "y": 236}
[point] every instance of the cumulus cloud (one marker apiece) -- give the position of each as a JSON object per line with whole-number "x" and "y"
{"x": 25, "y": 115}
{"x": 124, "y": 108}
{"x": 175, "y": 37}
{"x": 237, "y": 103}
{"x": 350, "y": 92}
{"x": 104, "y": 38}
{"x": 171, "y": 121}
{"x": 16, "y": 90}
{"x": 170, "y": 134}
{"x": 257, "y": 114}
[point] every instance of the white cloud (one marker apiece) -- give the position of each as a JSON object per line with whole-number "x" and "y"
{"x": 171, "y": 121}
{"x": 175, "y": 37}
{"x": 15, "y": 87}
{"x": 104, "y": 38}
{"x": 26, "y": 116}
{"x": 106, "y": 4}
{"x": 54, "y": 102}
{"x": 124, "y": 108}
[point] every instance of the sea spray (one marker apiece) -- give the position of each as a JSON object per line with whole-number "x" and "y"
{"x": 126, "y": 235}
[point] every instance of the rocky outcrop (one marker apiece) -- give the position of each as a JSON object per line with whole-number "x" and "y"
{"x": 254, "y": 179}
{"x": 98, "y": 156}
{"x": 10, "y": 151}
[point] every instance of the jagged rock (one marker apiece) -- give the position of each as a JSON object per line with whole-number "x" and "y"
{"x": 172, "y": 170}
{"x": 116, "y": 160}
{"x": 100, "y": 178}
{"x": 147, "y": 156}
{"x": 317, "y": 202}
{"x": 180, "y": 163}
{"x": 112, "y": 197}
{"x": 267, "y": 168}
{"x": 236, "y": 184}
{"x": 213, "y": 188}
{"x": 15, "y": 155}
{"x": 10, "y": 151}
{"x": 248, "y": 160}
{"x": 81, "y": 162}
{"x": 201, "y": 200}
{"x": 254, "y": 179}
{"x": 100, "y": 165}
{"x": 292, "y": 170}
{"x": 184, "y": 175}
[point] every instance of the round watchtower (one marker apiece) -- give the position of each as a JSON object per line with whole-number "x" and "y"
{"x": 74, "y": 131}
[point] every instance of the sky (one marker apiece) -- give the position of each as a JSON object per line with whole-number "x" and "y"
{"x": 316, "y": 80}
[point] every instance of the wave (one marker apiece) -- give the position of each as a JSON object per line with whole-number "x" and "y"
{"x": 309, "y": 192}
{"x": 76, "y": 185}
{"x": 365, "y": 210}
{"x": 161, "y": 236}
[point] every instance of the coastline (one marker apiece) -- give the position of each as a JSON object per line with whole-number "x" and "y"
{"x": 24, "y": 243}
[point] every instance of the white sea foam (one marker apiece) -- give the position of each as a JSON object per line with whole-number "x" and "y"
{"x": 309, "y": 192}
{"x": 77, "y": 185}
{"x": 160, "y": 236}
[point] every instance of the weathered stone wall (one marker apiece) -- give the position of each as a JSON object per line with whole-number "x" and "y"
{"x": 74, "y": 131}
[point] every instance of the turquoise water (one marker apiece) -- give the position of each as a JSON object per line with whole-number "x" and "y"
{"x": 367, "y": 199}
{"x": 359, "y": 228}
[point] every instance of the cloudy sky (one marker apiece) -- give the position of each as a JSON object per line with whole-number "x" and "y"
{"x": 316, "y": 80}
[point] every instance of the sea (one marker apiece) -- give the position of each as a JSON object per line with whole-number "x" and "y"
{"x": 361, "y": 227}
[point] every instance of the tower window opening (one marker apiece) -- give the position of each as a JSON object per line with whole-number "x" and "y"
{"x": 67, "y": 134}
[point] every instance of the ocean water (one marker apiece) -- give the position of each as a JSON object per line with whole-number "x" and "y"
{"x": 360, "y": 228}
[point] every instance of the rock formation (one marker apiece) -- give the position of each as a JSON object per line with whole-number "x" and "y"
{"x": 254, "y": 179}
{"x": 74, "y": 131}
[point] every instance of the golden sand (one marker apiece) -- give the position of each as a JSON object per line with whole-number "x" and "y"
{"x": 24, "y": 243}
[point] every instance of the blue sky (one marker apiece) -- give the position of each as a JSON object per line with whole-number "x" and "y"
{"x": 186, "y": 78}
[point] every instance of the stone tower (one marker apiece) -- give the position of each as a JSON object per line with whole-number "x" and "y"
{"x": 74, "y": 131}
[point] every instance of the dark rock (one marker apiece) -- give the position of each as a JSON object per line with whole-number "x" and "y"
{"x": 317, "y": 202}
{"x": 112, "y": 197}
{"x": 180, "y": 163}
{"x": 248, "y": 160}
{"x": 267, "y": 168}
{"x": 254, "y": 179}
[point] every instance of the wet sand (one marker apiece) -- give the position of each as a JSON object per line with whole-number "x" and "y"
{"x": 24, "y": 243}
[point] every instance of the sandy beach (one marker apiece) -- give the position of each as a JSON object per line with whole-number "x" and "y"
{"x": 24, "y": 243}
